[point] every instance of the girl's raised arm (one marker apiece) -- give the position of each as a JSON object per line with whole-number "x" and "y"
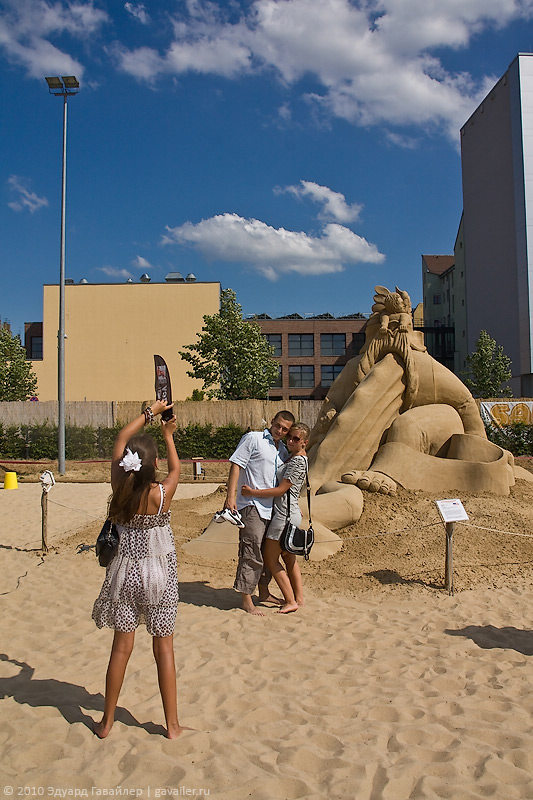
{"x": 129, "y": 430}
{"x": 171, "y": 481}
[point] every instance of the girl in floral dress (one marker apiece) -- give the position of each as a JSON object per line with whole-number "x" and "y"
{"x": 141, "y": 583}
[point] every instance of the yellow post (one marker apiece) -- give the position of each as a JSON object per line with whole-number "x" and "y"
{"x": 10, "y": 480}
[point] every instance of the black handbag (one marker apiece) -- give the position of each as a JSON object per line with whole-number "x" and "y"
{"x": 107, "y": 543}
{"x": 298, "y": 541}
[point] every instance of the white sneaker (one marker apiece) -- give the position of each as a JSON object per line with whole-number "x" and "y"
{"x": 227, "y": 515}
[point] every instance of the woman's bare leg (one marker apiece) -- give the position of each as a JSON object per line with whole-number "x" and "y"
{"x": 295, "y": 576}
{"x": 271, "y": 554}
{"x": 163, "y": 647}
{"x": 118, "y": 661}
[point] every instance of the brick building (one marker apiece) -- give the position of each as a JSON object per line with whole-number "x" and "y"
{"x": 311, "y": 351}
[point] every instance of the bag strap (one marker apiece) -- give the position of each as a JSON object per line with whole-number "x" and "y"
{"x": 288, "y": 493}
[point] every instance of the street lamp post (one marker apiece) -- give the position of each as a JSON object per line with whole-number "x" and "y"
{"x": 62, "y": 87}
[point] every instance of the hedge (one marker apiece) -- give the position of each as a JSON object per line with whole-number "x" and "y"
{"x": 516, "y": 437}
{"x": 84, "y": 443}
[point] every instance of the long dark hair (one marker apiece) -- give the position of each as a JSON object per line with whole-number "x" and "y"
{"x": 132, "y": 487}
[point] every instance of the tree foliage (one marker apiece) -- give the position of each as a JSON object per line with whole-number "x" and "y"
{"x": 17, "y": 380}
{"x": 488, "y": 369}
{"x": 231, "y": 356}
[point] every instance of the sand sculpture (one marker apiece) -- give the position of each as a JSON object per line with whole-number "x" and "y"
{"x": 396, "y": 416}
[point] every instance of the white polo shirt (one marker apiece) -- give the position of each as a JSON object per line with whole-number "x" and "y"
{"x": 259, "y": 459}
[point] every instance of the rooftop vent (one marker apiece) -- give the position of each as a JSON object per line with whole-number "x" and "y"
{"x": 130, "y": 280}
{"x": 84, "y": 280}
{"x": 174, "y": 277}
{"x": 191, "y": 277}
{"x": 145, "y": 278}
{"x": 69, "y": 281}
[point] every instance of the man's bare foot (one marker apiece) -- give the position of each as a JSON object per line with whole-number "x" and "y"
{"x": 287, "y": 608}
{"x": 102, "y": 729}
{"x": 173, "y": 731}
{"x": 270, "y": 598}
{"x": 251, "y": 609}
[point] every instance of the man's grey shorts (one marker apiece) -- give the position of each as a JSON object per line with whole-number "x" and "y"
{"x": 250, "y": 569}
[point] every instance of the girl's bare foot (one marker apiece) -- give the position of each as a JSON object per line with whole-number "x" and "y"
{"x": 101, "y": 729}
{"x": 270, "y": 598}
{"x": 288, "y": 607}
{"x": 173, "y": 731}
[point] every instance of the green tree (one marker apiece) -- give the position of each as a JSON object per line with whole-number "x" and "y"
{"x": 197, "y": 395}
{"x": 17, "y": 380}
{"x": 488, "y": 369}
{"x": 231, "y": 356}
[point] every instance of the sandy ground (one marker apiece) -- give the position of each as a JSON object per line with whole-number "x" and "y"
{"x": 382, "y": 686}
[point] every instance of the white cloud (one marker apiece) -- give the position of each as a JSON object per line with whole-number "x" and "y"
{"x": 141, "y": 262}
{"x": 115, "y": 272}
{"x": 138, "y": 11}
{"x": 27, "y": 26}
{"x": 334, "y": 205}
{"x": 372, "y": 59}
{"x": 23, "y": 198}
{"x": 399, "y": 140}
{"x": 275, "y": 251}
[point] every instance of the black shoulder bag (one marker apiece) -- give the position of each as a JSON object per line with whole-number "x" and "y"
{"x": 107, "y": 543}
{"x": 297, "y": 540}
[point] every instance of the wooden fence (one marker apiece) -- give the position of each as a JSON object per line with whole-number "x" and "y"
{"x": 102, "y": 414}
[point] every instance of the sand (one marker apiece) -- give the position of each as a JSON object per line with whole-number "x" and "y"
{"x": 382, "y": 686}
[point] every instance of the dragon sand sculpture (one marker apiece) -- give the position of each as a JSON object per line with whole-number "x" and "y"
{"x": 396, "y": 416}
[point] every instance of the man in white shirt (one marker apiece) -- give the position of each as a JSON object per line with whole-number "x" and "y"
{"x": 255, "y": 462}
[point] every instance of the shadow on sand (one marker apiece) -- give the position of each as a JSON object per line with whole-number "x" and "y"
{"x": 388, "y": 576}
{"x": 68, "y": 698}
{"x": 200, "y": 593}
{"x": 488, "y": 637}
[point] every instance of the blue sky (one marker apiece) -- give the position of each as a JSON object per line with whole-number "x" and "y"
{"x": 297, "y": 151}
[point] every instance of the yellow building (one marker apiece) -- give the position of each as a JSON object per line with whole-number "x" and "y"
{"x": 418, "y": 316}
{"x": 113, "y": 331}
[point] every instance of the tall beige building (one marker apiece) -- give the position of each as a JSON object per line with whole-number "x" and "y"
{"x": 114, "y": 330}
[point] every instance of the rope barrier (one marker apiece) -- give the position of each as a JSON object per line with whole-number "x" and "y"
{"x": 72, "y": 508}
{"x": 377, "y": 535}
{"x": 495, "y": 530}
{"x": 349, "y": 538}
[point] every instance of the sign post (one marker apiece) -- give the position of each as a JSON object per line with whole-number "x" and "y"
{"x": 450, "y": 511}
{"x": 47, "y": 481}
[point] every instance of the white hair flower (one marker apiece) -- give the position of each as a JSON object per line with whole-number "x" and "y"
{"x": 131, "y": 461}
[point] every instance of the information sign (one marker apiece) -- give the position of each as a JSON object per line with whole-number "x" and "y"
{"x": 451, "y": 510}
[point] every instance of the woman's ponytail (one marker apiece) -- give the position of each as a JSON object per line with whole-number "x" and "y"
{"x": 131, "y": 492}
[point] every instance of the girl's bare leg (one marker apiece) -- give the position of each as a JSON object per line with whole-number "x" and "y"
{"x": 118, "y": 661}
{"x": 271, "y": 554}
{"x": 295, "y": 576}
{"x": 163, "y": 647}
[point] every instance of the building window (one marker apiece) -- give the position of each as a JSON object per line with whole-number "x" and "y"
{"x": 328, "y": 373}
{"x": 279, "y": 380}
{"x": 274, "y": 339}
{"x": 36, "y": 347}
{"x": 302, "y": 376}
{"x": 301, "y": 344}
{"x": 332, "y": 344}
{"x": 437, "y": 299}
